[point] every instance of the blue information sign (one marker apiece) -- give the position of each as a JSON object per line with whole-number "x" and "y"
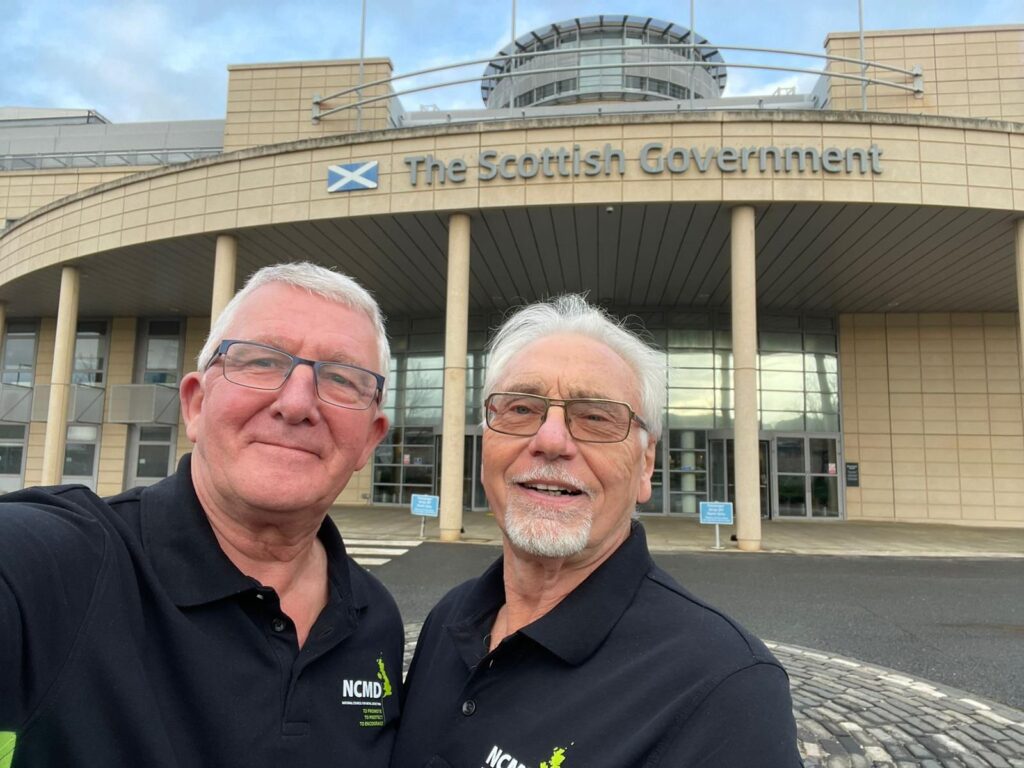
{"x": 425, "y": 505}
{"x": 716, "y": 513}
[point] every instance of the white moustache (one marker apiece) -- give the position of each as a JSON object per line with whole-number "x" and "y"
{"x": 552, "y": 476}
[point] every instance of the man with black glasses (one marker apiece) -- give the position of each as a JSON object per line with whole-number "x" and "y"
{"x": 574, "y": 650}
{"x": 214, "y": 619}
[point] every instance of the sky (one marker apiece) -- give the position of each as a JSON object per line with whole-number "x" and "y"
{"x": 137, "y": 61}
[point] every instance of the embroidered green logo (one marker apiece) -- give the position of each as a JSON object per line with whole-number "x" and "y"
{"x": 368, "y": 695}
{"x": 7, "y": 741}
{"x": 382, "y": 675}
{"x": 556, "y": 759}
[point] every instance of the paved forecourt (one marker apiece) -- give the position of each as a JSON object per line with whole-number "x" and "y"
{"x": 850, "y": 714}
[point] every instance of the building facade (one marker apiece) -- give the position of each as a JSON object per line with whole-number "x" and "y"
{"x": 837, "y": 291}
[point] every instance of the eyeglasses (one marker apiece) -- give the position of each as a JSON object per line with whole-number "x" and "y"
{"x": 258, "y": 366}
{"x": 588, "y": 420}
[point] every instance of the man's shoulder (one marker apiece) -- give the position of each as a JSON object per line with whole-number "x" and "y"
{"x": 692, "y": 621}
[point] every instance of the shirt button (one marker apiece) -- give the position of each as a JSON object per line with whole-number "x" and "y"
{"x": 278, "y": 624}
{"x": 468, "y": 707}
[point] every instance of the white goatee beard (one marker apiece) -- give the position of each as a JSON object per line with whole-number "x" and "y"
{"x": 531, "y": 531}
{"x": 537, "y": 530}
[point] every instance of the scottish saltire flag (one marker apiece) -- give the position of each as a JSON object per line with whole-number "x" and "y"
{"x": 351, "y": 176}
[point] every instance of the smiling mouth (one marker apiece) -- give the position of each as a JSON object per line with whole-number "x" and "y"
{"x": 551, "y": 490}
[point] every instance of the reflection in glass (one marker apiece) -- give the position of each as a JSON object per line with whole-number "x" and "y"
{"x": 791, "y": 496}
{"x": 825, "y": 497}
{"x": 691, "y": 398}
{"x": 782, "y": 421}
{"x": 781, "y": 361}
{"x": 822, "y": 454}
{"x": 790, "y": 454}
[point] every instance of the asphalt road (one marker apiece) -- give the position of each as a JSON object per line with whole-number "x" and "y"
{"x": 953, "y": 621}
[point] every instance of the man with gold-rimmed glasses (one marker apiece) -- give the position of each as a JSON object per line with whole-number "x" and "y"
{"x": 214, "y": 619}
{"x": 574, "y": 649}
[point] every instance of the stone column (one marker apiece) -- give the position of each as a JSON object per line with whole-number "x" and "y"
{"x": 455, "y": 332}
{"x": 1020, "y": 293}
{"x": 60, "y": 378}
{"x": 744, "y": 349}
{"x": 224, "y": 266}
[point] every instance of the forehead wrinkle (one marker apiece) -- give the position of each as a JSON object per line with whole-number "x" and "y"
{"x": 279, "y": 342}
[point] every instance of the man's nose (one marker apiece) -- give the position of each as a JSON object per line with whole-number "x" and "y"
{"x": 297, "y": 399}
{"x": 553, "y": 438}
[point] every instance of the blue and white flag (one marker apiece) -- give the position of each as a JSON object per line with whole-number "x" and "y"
{"x": 350, "y": 176}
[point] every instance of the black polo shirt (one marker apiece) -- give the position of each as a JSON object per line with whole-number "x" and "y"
{"x": 628, "y": 670}
{"x": 129, "y": 639}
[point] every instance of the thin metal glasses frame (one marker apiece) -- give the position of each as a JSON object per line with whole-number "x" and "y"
{"x": 551, "y": 401}
{"x": 316, "y": 365}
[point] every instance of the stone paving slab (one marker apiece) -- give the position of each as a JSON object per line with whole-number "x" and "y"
{"x": 851, "y": 714}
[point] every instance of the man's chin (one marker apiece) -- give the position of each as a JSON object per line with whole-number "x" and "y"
{"x": 546, "y": 538}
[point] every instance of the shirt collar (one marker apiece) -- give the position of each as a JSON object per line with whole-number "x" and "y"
{"x": 575, "y": 628}
{"x": 187, "y": 557}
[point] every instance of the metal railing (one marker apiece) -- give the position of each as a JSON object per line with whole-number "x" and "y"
{"x": 914, "y": 75}
{"x": 104, "y": 158}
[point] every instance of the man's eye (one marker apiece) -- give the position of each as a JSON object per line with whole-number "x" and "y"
{"x": 266, "y": 363}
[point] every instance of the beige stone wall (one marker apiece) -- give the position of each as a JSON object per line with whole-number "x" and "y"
{"x": 110, "y": 477}
{"x": 968, "y": 72}
{"x": 925, "y": 162}
{"x": 932, "y": 412}
{"x": 272, "y": 103}
{"x": 22, "y": 192}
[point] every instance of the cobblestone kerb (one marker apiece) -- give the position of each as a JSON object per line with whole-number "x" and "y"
{"x": 850, "y": 714}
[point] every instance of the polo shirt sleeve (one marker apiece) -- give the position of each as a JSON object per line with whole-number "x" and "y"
{"x": 51, "y": 553}
{"x": 746, "y": 720}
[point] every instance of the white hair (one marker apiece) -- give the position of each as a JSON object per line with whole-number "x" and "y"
{"x": 572, "y": 314}
{"x": 319, "y": 281}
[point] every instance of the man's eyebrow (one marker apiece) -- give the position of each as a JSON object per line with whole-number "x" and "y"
{"x": 526, "y": 388}
{"x": 282, "y": 344}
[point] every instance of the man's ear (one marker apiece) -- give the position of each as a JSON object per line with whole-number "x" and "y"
{"x": 190, "y": 392}
{"x": 643, "y": 492}
{"x": 374, "y": 434}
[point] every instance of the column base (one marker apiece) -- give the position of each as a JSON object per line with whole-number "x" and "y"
{"x": 749, "y": 545}
{"x": 454, "y": 535}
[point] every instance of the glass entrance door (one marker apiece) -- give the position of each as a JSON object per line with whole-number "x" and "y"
{"x": 808, "y": 477}
{"x": 722, "y": 457}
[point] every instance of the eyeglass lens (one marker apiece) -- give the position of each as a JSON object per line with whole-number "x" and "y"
{"x": 594, "y": 420}
{"x": 253, "y": 365}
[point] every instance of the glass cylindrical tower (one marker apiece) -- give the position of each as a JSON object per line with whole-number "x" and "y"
{"x": 603, "y": 58}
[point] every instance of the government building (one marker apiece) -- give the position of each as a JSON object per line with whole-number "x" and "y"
{"x": 835, "y": 277}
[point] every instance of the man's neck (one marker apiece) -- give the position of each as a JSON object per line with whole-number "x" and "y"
{"x": 279, "y": 549}
{"x": 536, "y": 585}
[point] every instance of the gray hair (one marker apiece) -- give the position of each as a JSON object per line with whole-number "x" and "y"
{"x": 319, "y": 281}
{"x": 571, "y": 313}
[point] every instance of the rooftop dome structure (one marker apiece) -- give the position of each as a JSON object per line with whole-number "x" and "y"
{"x": 603, "y": 58}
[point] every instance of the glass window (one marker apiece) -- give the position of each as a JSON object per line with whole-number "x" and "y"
{"x": 691, "y": 377}
{"x": 791, "y": 381}
{"x": 153, "y": 460}
{"x": 10, "y": 459}
{"x": 782, "y": 401}
{"x": 19, "y": 358}
{"x": 822, "y": 455}
{"x": 691, "y": 398}
{"x": 781, "y": 361}
{"x": 689, "y": 338}
{"x": 792, "y": 496}
{"x": 90, "y": 353}
{"x": 79, "y": 459}
{"x": 780, "y": 342}
{"x": 790, "y": 454}
{"x": 825, "y": 497}
{"x": 782, "y": 421}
